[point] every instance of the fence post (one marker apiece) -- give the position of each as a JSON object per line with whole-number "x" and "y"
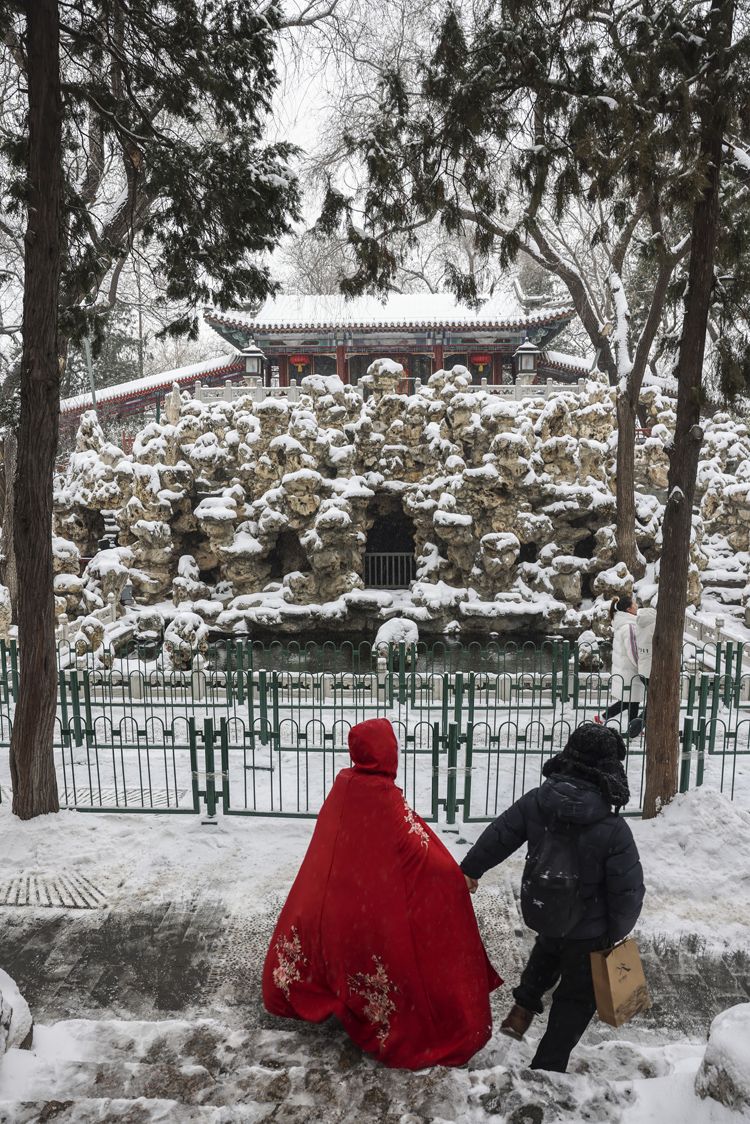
{"x": 192, "y": 740}
{"x": 197, "y": 684}
{"x": 263, "y": 705}
{"x": 14, "y": 669}
{"x": 402, "y": 672}
{"x": 468, "y": 758}
{"x": 208, "y": 746}
{"x": 737, "y": 685}
{"x": 76, "y": 704}
{"x": 728, "y": 666}
{"x": 224, "y": 744}
{"x": 64, "y": 727}
{"x": 565, "y": 695}
{"x": 4, "y": 662}
{"x": 240, "y": 672}
{"x": 276, "y": 724}
{"x": 450, "y": 790}
{"x": 435, "y": 769}
{"x": 135, "y": 685}
{"x": 702, "y": 708}
{"x": 458, "y": 700}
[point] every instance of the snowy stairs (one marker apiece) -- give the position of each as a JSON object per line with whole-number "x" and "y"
{"x": 80, "y": 1071}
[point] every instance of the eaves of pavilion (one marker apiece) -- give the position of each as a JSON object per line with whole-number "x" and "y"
{"x": 327, "y": 334}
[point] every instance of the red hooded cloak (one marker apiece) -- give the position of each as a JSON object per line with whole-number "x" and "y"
{"x": 378, "y": 928}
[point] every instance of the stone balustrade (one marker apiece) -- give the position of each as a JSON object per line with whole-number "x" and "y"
{"x": 257, "y": 391}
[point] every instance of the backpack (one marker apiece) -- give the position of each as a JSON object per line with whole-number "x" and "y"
{"x": 552, "y": 901}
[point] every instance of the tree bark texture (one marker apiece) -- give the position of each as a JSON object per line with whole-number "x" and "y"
{"x": 31, "y": 753}
{"x": 7, "y": 545}
{"x": 663, "y": 721}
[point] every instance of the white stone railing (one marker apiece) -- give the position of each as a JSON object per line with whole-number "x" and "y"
{"x": 517, "y": 391}
{"x": 256, "y": 391}
{"x": 66, "y": 629}
{"x": 714, "y": 632}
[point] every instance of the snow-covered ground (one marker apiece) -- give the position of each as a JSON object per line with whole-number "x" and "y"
{"x": 226, "y": 1062}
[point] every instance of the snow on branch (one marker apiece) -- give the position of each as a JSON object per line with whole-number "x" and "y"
{"x": 621, "y": 333}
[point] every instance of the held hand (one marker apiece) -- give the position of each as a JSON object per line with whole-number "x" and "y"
{"x": 471, "y": 884}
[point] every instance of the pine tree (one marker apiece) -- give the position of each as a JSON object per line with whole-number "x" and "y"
{"x": 142, "y": 120}
{"x": 525, "y": 120}
{"x": 663, "y": 722}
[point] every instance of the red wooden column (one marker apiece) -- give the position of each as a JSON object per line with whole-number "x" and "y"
{"x": 497, "y": 367}
{"x": 437, "y": 358}
{"x": 283, "y": 370}
{"x": 341, "y": 365}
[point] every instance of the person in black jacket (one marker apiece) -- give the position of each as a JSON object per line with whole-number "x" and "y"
{"x": 583, "y": 784}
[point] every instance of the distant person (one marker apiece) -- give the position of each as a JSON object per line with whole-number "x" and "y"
{"x": 594, "y": 896}
{"x": 625, "y": 683}
{"x": 378, "y": 929}
{"x": 645, "y": 623}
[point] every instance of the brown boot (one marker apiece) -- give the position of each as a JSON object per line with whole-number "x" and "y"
{"x": 516, "y": 1022}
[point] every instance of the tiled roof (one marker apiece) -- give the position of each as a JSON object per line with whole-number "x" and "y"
{"x": 219, "y": 365}
{"x": 401, "y": 310}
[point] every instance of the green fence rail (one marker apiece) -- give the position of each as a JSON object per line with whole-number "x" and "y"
{"x": 251, "y": 730}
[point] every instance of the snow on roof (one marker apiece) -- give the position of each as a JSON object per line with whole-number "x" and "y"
{"x": 398, "y": 310}
{"x": 214, "y": 366}
{"x": 581, "y": 363}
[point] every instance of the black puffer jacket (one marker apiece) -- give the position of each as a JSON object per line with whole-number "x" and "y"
{"x": 611, "y": 874}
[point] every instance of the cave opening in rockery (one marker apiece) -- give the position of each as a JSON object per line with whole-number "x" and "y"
{"x": 389, "y": 550}
{"x": 288, "y": 556}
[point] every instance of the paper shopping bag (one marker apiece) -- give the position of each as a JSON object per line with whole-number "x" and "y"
{"x": 619, "y": 983}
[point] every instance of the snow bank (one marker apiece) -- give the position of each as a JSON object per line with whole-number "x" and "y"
{"x": 725, "y": 1072}
{"x": 696, "y": 861}
{"x": 15, "y": 1017}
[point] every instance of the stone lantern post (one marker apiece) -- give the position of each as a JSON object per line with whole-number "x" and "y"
{"x": 526, "y": 362}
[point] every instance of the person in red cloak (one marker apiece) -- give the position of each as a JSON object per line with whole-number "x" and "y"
{"x": 378, "y": 928}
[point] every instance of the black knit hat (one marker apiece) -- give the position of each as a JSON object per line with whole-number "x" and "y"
{"x": 594, "y": 753}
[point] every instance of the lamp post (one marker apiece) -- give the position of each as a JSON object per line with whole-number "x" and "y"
{"x": 254, "y": 361}
{"x": 526, "y": 361}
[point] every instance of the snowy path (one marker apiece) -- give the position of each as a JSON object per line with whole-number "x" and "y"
{"x": 147, "y": 1000}
{"x": 201, "y": 1071}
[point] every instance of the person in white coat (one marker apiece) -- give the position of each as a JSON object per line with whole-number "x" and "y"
{"x": 645, "y": 623}
{"x": 626, "y": 686}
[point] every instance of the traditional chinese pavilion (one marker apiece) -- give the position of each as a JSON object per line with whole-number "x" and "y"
{"x": 329, "y": 335}
{"x": 506, "y": 338}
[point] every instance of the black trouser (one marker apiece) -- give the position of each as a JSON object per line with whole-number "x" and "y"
{"x": 617, "y": 708}
{"x": 573, "y": 1003}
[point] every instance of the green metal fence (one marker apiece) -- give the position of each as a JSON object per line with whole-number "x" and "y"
{"x": 262, "y": 730}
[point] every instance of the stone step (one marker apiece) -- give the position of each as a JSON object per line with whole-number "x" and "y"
{"x": 88, "y": 1110}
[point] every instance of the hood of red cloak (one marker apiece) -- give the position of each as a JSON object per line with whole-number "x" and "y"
{"x": 373, "y": 747}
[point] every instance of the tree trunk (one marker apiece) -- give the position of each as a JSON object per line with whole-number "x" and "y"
{"x": 663, "y": 722}
{"x": 7, "y": 545}
{"x": 31, "y": 753}
{"x": 627, "y": 546}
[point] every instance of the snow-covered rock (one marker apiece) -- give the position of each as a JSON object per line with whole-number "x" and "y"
{"x": 16, "y": 1023}
{"x": 185, "y": 637}
{"x": 505, "y": 500}
{"x": 398, "y": 630}
{"x": 724, "y": 1074}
